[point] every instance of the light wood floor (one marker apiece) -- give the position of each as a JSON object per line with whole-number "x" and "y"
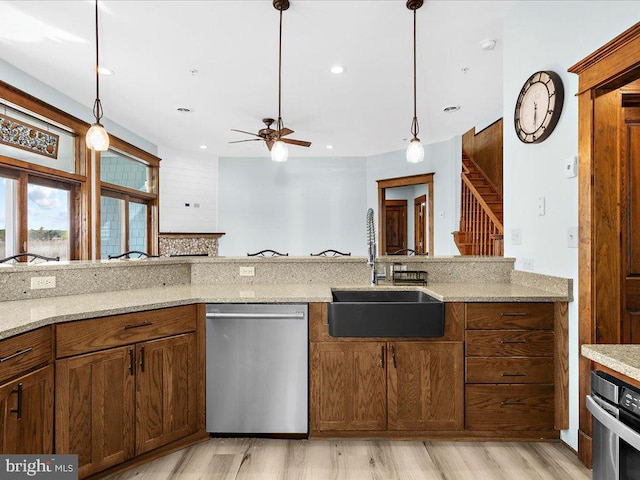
{"x": 266, "y": 459}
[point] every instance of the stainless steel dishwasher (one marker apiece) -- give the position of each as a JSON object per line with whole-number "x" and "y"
{"x": 257, "y": 368}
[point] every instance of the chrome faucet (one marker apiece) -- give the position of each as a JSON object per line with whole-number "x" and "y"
{"x": 371, "y": 248}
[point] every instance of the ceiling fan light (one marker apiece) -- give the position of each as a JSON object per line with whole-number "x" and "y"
{"x": 279, "y": 152}
{"x": 97, "y": 138}
{"x": 415, "y": 151}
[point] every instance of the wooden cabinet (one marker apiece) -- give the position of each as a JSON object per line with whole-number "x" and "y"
{"x": 166, "y": 391}
{"x": 510, "y": 367}
{"x": 95, "y": 408}
{"x": 425, "y": 386}
{"x": 26, "y": 414}
{"x": 349, "y": 386}
{"x": 26, "y": 393}
{"x": 120, "y": 402}
{"x": 387, "y": 384}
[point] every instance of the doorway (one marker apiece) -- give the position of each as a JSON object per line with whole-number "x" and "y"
{"x": 420, "y": 224}
{"x": 384, "y": 185}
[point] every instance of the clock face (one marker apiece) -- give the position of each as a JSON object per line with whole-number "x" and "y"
{"x": 538, "y": 107}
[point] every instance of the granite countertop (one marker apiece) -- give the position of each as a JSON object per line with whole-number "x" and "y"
{"x": 19, "y": 316}
{"x": 624, "y": 359}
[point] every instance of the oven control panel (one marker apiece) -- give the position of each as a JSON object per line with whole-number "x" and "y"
{"x": 630, "y": 400}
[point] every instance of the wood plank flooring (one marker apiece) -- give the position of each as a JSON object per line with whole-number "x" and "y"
{"x": 268, "y": 459}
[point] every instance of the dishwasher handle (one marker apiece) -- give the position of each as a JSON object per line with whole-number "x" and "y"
{"x": 246, "y": 316}
{"x": 613, "y": 424}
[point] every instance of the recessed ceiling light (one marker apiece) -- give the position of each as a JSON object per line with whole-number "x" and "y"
{"x": 105, "y": 71}
{"x": 184, "y": 110}
{"x": 451, "y": 108}
{"x": 487, "y": 45}
{"x": 329, "y": 147}
{"x": 337, "y": 69}
{"x": 203, "y": 147}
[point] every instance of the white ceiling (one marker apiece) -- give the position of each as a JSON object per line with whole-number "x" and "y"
{"x": 153, "y": 45}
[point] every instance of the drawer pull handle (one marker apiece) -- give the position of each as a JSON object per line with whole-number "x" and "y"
{"x": 138, "y": 325}
{"x": 131, "y": 362}
{"x": 382, "y": 356}
{"x": 507, "y": 403}
{"x": 517, "y": 374}
{"x": 513, "y": 314}
{"x": 18, "y": 410}
{"x": 393, "y": 356}
{"x": 17, "y": 354}
{"x": 506, "y": 342}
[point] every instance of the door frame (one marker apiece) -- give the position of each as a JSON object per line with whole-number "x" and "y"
{"x": 612, "y": 66}
{"x": 419, "y": 220}
{"x": 424, "y": 178}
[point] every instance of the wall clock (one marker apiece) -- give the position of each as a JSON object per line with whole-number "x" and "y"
{"x": 538, "y": 107}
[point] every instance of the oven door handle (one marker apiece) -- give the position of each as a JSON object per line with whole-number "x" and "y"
{"x": 612, "y": 423}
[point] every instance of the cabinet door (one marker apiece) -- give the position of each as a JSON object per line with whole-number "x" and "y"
{"x": 94, "y": 408}
{"x": 426, "y": 386}
{"x": 27, "y": 414}
{"x": 166, "y": 391}
{"x": 348, "y": 386}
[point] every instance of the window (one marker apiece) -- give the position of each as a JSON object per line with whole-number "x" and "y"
{"x": 7, "y": 217}
{"x": 48, "y": 219}
{"x": 128, "y": 203}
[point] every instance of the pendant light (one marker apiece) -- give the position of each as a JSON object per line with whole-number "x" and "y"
{"x": 415, "y": 150}
{"x": 279, "y": 150}
{"x": 97, "y": 137}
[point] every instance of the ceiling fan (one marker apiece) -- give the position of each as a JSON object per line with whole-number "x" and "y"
{"x": 274, "y": 138}
{"x": 270, "y": 136}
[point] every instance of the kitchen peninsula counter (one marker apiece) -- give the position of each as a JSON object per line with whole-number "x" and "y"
{"x": 19, "y": 316}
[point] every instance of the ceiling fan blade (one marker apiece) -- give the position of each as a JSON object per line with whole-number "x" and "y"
{"x": 248, "y": 133}
{"x": 300, "y": 143}
{"x": 250, "y": 140}
{"x": 285, "y": 131}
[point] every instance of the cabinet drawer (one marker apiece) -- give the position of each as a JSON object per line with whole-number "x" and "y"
{"x": 84, "y": 336}
{"x": 24, "y": 352}
{"x": 509, "y": 343}
{"x": 483, "y": 316}
{"x": 509, "y": 370}
{"x": 510, "y": 407}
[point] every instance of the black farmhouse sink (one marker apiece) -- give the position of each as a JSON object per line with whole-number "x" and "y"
{"x": 385, "y": 313}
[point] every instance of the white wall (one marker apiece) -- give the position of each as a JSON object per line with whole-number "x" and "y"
{"x": 42, "y": 91}
{"x": 188, "y": 178}
{"x": 542, "y": 35}
{"x": 444, "y": 159}
{"x": 300, "y": 207}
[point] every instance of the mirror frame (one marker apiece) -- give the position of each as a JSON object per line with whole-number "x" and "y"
{"x": 423, "y": 178}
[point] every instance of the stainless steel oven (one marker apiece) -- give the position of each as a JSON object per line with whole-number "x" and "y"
{"x": 615, "y": 406}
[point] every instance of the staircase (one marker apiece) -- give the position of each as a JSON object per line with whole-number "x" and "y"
{"x": 481, "y": 213}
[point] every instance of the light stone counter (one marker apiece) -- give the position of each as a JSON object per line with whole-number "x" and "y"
{"x": 19, "y": 316}
{"x": 624, "y": 359}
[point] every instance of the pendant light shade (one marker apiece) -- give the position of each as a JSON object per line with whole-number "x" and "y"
{"x": 97, "y": 138}
{"x": 279, "y": 152}
{"x": 415, "y": 150}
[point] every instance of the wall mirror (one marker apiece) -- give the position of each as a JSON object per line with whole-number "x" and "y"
{"x": 405, "y": 214}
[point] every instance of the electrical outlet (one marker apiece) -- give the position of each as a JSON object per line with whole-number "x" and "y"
{"x": 247, "y": 271}
{"x": 38, "y": 283}
{"x": 527, "y": 263}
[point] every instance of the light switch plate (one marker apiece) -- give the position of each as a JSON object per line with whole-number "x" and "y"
{"x": 571, "y": 167}
{"x": 541, "y": 206}
{"x": 572, "y": 237}
{"x": 516, "y": 236}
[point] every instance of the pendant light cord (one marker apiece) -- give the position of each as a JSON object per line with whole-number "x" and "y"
{"x": 97, "y": 106}
{"x": 280, "y": 124}
{"x": 415, "y": 129}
